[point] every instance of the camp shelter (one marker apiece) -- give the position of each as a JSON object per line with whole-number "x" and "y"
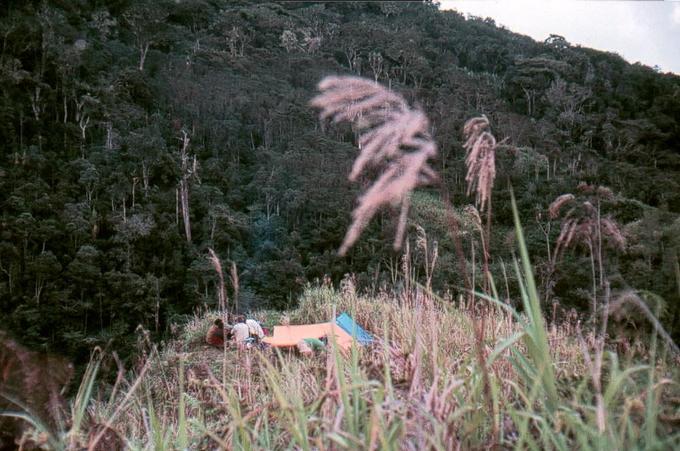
{"x": 353, "y": 329}
{"x": 344, "y": 328}
{"x": 287, "y": 336}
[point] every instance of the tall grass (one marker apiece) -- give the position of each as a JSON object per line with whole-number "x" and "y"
{"x": 419, "y": 387}
{"x": 536, "y": 339}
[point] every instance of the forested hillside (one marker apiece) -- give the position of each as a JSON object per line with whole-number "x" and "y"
{"x": 138, "y": 134}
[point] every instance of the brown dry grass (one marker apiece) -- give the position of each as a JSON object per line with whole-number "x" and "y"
{"x": 418, "y": 387}
{"x": 420, "y": 377}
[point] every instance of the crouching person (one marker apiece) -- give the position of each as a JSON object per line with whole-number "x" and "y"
{"x": 247, "y": 333}
{"x": 216, "y": 335}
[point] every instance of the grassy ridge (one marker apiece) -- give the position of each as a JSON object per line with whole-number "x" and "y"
{"x": 435, "y": 379}
{"x": 419, "y": 388}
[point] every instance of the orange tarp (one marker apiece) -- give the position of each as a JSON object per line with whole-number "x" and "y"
{"x": 286, "y": 336}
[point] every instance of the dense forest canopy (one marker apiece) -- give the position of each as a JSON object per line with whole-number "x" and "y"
{"x": 138, "y": 134}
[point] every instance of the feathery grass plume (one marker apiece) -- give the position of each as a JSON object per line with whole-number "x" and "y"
{"x": 585, "y": 188}
{"x": 222, "y": 298}
{"x": 567, "y": 232}
{"x": 612, "y": 230}
{"x": 474, "y": 214}
{"x": 602, "y": 192}
{"x": 558, "y": 203}
{"x": 393, "y": 137}
{"x": 222, "y": 293}
{"x": 430, "y": 254}
{"x": 480, "y": 159}
{"x": 583, "y": 224}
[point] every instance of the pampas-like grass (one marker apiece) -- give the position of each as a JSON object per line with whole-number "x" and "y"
{"x": 582, "y": 225}
{"x": 611, "y": 230}
{"x": 558, "y": 203}
{"x": 393, "y": 138}
{"x": 480, "y": 159}
{"x": 222, "y": 292}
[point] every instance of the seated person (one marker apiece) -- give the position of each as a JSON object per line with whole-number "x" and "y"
{"x": 246, "y": 331}
{"x": 254, "y": 329}
{"x": 240, "y": 334}
{"x": 216, "y": 335}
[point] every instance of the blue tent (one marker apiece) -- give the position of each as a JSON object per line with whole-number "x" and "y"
{"x": 346, "y": 323}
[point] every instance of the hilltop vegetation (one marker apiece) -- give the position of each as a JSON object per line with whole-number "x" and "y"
{"x": 420, "y": 386}
{"x": 137, "y": 134}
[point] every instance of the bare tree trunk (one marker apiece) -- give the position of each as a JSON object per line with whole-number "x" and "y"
{"x": 89, "y": 192}
{"x": 8, "y": 273}
{"x": 35, "y": 103}
{"x": 176, "y": 206}
{"x": 83, "y": 124}
{"x": 187, "y": 171}
{"x": 529, "y": 97}
{"x": 135, "y": 181}
{"x": 37, "y": 110}
{"x": 143, "y": 49}
{"x": 184, "y": 201}
{"x": 109, "y": 135}
{"x": 145, "y": 178}
{"x": 39, "y": 283}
